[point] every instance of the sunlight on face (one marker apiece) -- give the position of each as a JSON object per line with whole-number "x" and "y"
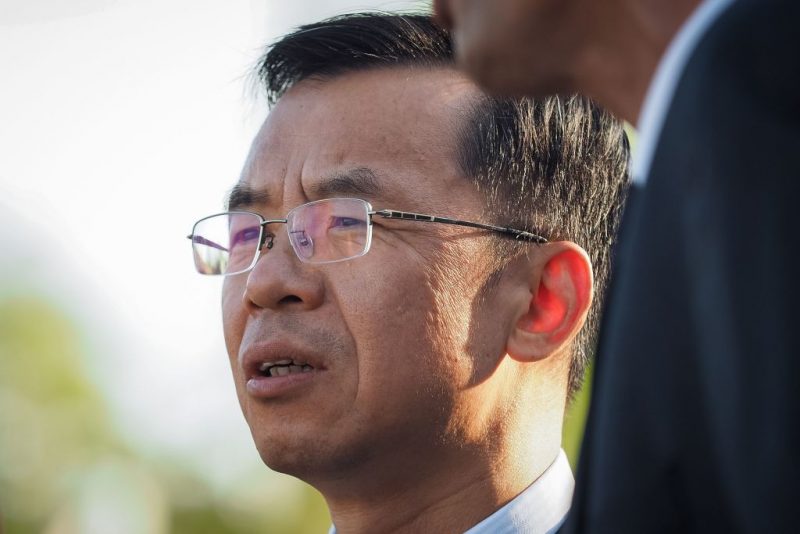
{"x": 114, "y": 145}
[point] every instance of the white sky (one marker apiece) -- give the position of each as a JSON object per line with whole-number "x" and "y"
{"x": 121, "y": 122}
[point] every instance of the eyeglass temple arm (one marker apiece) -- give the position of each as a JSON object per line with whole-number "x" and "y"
{"x": 408, "y": 216}
{"x": 203, "y": 241}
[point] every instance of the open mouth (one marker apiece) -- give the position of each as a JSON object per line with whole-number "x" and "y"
{"x": 283, "y": 368}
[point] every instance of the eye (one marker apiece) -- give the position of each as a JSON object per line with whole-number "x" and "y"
{"x": 245, "y": 235}
{"x": 345, "y": 222}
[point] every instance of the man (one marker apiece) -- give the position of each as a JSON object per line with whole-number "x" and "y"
{"x": 409, "y": 267}
{"x": 693, "y": 426}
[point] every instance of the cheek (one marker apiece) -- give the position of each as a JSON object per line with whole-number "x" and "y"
{"x": 410, "y": 328}
{"x": 234, "y": 319}
{"x": 387, "y": 312}
{"x": 377, "y": 303}
{"x": 233, "y": 316}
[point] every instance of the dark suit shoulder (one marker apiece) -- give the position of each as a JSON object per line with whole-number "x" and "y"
{"x": 693, "y": 424}
{"x": 751, "y": 54}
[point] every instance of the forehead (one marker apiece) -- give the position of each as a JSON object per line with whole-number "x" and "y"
{"x": 399, "y": 124}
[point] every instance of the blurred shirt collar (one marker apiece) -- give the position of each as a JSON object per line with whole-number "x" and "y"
{"x": 539, "y": 509}
{"x": 662, "y": 87}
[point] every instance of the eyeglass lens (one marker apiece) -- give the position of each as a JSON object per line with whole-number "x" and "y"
{"x": 325, "y": 231}
{"x": 329, "y": 230}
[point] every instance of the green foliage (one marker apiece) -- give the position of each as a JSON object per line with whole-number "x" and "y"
{"x": 53, "y": 420}
{"x": 575, "y": 420}
{"x": 64, "y": 470}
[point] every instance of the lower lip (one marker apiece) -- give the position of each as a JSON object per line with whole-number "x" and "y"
{"x": 270, "y": 387}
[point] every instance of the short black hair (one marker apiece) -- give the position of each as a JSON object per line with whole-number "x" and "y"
{"x": 557, "y": 166}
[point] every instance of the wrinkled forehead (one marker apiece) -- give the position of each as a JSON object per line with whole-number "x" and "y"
{"x": 395, "y": 130}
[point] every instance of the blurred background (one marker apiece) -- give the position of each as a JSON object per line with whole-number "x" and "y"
{"x": 122, "y": 122}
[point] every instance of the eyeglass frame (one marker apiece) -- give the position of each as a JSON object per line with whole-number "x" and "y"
{"x": 267, "y": 238}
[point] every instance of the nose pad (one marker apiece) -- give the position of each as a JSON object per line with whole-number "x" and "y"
{"x": 302, "y": 244}
{"x": 268, "y": 241}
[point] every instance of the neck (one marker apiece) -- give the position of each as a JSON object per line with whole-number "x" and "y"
{"x": 618, "y": 69}
{"x": 440, "y": 500}
{"x": 450, "y": 487}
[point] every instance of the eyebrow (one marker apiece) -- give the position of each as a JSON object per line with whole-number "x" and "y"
{"x": 360, "y": 182}
{"x": 242, "y": 195}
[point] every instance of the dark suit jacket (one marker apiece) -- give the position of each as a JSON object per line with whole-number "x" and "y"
{"x": 695, "y": 417}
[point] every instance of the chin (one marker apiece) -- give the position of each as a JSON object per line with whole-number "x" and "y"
{"x": 512, "y": 83}
{"x": 493, "y": 74}
{"x": 305, "y": 458}
{"x": 316, "y": 460}
{"x": 508, "y": 76}
{"x": 290, "y": 457}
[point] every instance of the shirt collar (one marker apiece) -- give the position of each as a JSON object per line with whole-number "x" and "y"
{"x": 662, "y": 86}
{"x": 540, "y": 509}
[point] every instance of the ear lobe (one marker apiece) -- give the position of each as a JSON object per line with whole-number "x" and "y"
{"x": 560, "y": 296}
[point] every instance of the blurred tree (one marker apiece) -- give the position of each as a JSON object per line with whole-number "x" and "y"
{"x": 63, "y": 470}
{"x": 53, "y": 420}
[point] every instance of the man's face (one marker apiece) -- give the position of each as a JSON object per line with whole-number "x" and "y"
{"x": 401, "y": 340}
{"x": 517, "y": 47}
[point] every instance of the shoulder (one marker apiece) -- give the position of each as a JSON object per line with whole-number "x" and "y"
{"x": 738, "y": 93}
{"x": 749, "y": 54}
{"x": 751, "y": 24}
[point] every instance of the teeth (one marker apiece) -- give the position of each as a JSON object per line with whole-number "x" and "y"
{"x": 275, "y": 369}
{"x": 284, "y": 367}
{"x": 266, "y": 365}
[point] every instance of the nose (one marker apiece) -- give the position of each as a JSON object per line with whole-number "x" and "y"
{"x": 280, "y": 281}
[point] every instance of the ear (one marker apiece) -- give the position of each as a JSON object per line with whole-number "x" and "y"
{"x": 560, "y": 293}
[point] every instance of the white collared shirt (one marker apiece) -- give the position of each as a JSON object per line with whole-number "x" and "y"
{"x": 540, "y": 509}
{"x": 664, "y": 82}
